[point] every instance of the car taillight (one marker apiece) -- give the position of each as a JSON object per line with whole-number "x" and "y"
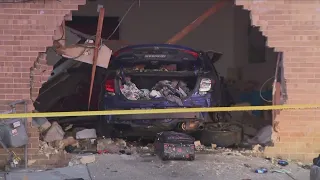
{"x": 193, "y": 53}
{"x": 205, "y": 85}
{"x": 110, "y": 85}
{"x": 115, "y": 54}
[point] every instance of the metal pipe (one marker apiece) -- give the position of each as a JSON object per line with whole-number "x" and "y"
{"x": 26, "y": 146}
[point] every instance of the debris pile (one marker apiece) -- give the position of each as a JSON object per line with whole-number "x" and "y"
{"x": 116, "y": 146}
{"x": 55, "y": 140}
{"x": 173, "y": 91}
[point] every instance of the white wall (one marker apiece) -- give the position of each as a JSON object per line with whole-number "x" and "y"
{"x": 157, "y": 21}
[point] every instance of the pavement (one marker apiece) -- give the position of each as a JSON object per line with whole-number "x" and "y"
{"x": 206, "y": 166}
{"x": 136, "y": 167}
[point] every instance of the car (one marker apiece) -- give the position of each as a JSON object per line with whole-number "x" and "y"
{"x": 159, "y": 76}
{"x": 67, "y": 89}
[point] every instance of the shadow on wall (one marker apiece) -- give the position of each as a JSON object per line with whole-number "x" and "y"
{"x": 251, "y": 52}
{"x": 280, "y": 96}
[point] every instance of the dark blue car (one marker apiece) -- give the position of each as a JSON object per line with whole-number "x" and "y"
{"x": 157, "y": 76}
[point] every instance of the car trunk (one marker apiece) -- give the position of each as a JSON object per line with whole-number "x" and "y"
{"x": 158, "y": 86}
{"x": 168, "y": 85}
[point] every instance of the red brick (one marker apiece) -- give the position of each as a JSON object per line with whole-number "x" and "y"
{"x": 29, "y": 11}
{"x": 12, "y": 32}
{"x": 11, "y": 42}
{"x": 294, "y": 30}
{"x": 12, "y": 11}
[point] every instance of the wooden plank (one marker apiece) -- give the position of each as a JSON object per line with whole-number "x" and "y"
{"x": 96, "y": 52}
{"x": 185, "y": 31}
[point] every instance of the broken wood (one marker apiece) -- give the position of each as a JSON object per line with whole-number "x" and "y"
{"x": 60, "y": 36}
{"x": 185, "y": 31}
{"x": 96, "y": 52}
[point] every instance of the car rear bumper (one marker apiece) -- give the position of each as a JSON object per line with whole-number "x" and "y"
{"x": 159, "y": 121}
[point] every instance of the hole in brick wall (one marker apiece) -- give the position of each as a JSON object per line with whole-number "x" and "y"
{"x": 247, "y": 64}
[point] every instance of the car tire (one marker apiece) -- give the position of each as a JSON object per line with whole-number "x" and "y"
{"x": 222, "y": 138}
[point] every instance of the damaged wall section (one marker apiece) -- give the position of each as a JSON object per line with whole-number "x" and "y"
{"x": 27, "y": 29}
{"x": 291, "y": 28}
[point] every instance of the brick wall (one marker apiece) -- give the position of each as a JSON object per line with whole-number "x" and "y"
{"x": 25, "y": 30}
{"x": 292, "y": 27}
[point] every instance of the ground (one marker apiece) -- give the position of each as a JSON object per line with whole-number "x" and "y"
{"x": 216, "y": 165}
{"x": 206, "y": 166}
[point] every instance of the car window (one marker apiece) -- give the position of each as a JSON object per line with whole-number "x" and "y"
{"x": 160, "y": 65}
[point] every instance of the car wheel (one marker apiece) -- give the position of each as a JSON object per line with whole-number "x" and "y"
{"x": 221, "y": 134}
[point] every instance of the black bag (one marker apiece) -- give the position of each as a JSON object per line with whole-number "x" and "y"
{"x": 170, "y": 145}
{"x": 316, "y": 161}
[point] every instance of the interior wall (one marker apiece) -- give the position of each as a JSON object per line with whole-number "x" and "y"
{"x": 157, "y": 21}
{"x": 257, "y": 71}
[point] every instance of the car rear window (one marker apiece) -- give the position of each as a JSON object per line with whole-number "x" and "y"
{"x": 161, "y": 65}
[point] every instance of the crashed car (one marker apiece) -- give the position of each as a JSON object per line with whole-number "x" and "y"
{"x": 158, "y": 76}
{"x": 67, "y": 89}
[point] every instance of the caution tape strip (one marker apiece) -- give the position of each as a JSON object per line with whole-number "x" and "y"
{"x": 158, "y": 111}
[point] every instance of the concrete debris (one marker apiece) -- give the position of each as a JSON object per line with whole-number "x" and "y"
{"x": 87, "y": 159}
{"x": 117, "y": 146}
{"x": 171, "y": 90}
{"x": 102, "y": 144}
{"x": 42, "y": 123}
{"x": 86, "y": 134}
{"x": 87, "y": 145}
{"x": 149, "y": 149}
{"x": 257, "y": 148}
{"x": 44, "y": 126}
{"x": 31, "y": 162}
{"x": 46, "y": 149}
{"x": 213, "y": 146}
{"x": 82, "y": 159}
{"x": 197, "y": 144}
{"x": 120, "y": 142}
{"x": 155, "y": 94}
{"x": 54, "y": 133}
{"x": 61, "y": 144}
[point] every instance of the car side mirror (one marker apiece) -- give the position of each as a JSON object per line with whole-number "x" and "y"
{"x": 214, "y": 56}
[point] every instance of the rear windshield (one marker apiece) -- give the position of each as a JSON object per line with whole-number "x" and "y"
{"x": 160, "y": 65}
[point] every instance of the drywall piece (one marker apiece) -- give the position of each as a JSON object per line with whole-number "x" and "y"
{"x": 85, "y": 55}
{"x": 99, "y": 7}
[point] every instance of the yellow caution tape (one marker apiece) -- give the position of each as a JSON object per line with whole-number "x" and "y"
{"x": 158, "y": 111}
